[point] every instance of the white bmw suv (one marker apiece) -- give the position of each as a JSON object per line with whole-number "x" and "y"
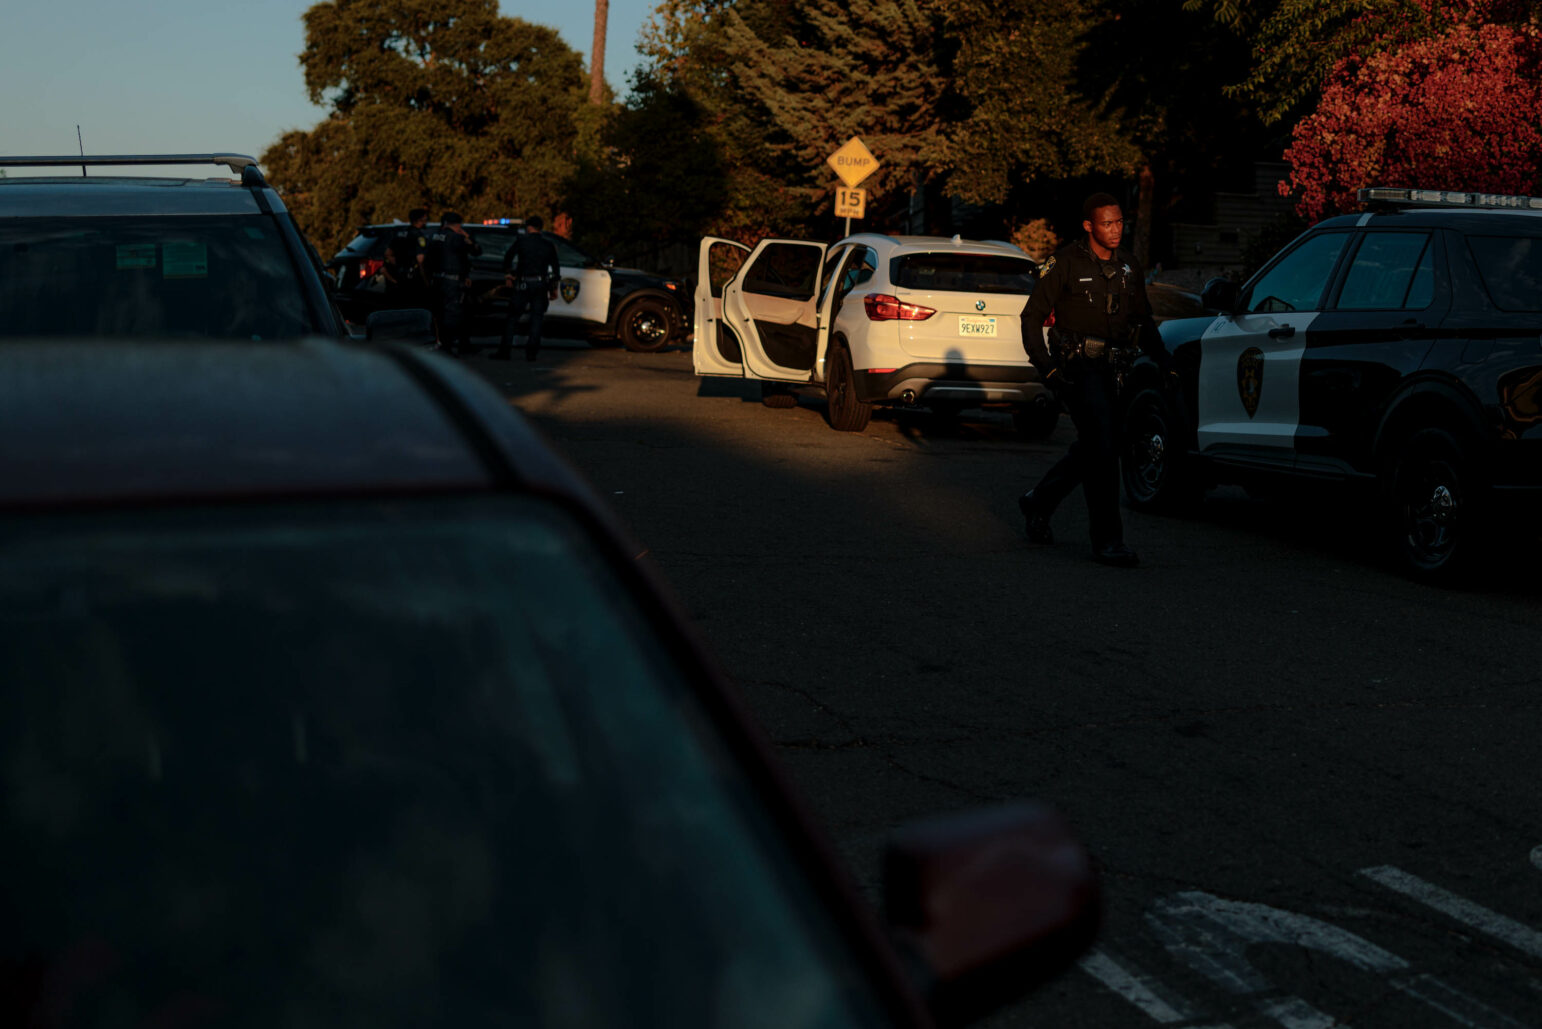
{"x": 874, "y": 319}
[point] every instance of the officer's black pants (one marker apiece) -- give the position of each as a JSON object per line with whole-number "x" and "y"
{"x": 1092, "y": 462}
{"x": 531, "y": 295}
{"x": 454, "y": 325}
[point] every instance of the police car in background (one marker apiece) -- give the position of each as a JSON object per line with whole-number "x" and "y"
{"x": 1398, "y": 350}
{"x": 595, "y": 300}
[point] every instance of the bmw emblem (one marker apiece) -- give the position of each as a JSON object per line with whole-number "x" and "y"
{"x": 979, "y": 305}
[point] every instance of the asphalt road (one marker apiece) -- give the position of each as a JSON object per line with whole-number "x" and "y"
{"x": 1310, "y": 784}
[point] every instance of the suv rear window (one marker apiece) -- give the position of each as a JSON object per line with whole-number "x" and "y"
{"x": 964, "y": 273}
{"x": 224, "y": 276}
{"x": 1512, "y": 270}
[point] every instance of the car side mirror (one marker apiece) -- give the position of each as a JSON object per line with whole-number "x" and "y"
{"x": 409, "y": 325}
{"x": 988, "y": 903}
{"x": 1220, "y": 294}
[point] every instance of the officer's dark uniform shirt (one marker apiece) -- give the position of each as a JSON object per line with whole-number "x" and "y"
{"x": 1103, "y": 299}
{"x": 450, "y": 253}
{"x": 530, "y": 258}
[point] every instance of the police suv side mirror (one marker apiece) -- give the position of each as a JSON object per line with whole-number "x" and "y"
{"x": 410, "y": 325}
{"x": 1220, "y": 294}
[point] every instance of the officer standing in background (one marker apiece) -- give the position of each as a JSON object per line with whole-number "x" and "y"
{"x": 531, "y": 269}
{"x": 407, "y": 251}
{"x": 1097, "y": 293}
{"x": 450, "y": 249}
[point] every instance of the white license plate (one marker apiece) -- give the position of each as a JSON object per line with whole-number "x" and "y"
{"x": 976, "y": 325}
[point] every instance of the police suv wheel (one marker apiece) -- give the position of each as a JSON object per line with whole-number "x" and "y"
{"x": 847, "y": 413}
{"x": 1433, "y": 506}
{"x": 1151, "y": 462}
{"x": 645, "y": 326}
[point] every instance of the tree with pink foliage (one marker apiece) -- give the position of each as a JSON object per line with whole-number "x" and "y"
{"x": 1459, "y": 110}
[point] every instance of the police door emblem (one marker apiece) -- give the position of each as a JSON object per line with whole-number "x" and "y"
{"x": 570, "y": 290}
{"x": 1250, "y": 378}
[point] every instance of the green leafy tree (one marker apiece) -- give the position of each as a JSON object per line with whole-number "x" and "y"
{"x": 1020, "y": 108}
{"x": 434, "y": 103}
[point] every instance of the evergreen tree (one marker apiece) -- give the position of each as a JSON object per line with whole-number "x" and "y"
{"x": 435, "y": 103}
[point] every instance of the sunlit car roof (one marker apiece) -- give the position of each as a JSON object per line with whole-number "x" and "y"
{"x": 209, "y": 418}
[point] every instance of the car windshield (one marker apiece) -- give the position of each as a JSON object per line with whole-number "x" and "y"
{"x": 225, "y": 276}
{"x": 379, "y": 764}
{"x": 964, "y": 273}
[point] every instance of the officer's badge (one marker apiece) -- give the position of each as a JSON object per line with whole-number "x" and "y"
{"x": 1250, "y": 378}
{"x": 570, "y": 290}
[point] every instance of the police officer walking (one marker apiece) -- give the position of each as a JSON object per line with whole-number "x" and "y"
{"x": 530, "y": 268}
{"x": 450, "y": 249}
{"x": 1097, "y": 293}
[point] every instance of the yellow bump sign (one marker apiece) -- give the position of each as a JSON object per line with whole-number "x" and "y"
{"x": 853, "y": 162}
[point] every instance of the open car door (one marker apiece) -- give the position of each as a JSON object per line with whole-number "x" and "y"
{"x": 769, "y": 308}
{"x": 716, "y": 352}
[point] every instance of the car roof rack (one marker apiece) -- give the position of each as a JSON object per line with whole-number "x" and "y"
{"x": 241, "y": 164}
{"x": 1388, "y": 196}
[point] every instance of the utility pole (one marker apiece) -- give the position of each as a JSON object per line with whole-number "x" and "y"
{"x": 597, "y": 53}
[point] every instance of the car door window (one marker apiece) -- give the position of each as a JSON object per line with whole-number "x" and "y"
{"x": 858, "y": 271}
{"x": 785, "y": 270}
{"x": 1390, "y": 271}
{"x": 827, "y": 274}
{"x": 1297, "y": 282}
{"x": 1512, "y": 270}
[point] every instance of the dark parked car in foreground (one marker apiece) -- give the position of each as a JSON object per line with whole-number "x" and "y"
{"x": 333, "y": 698}
{"x": 595, "y": 300}
{"x": 1393, "y": 353}
{"x": 89, "y": 249}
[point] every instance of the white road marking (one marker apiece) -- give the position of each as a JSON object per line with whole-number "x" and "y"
{"x": 1453, "y": 1003}
{"x": 1507, "y": 930}
{"x": 1295, "y": 1013}
{"x": 1133, "y": 987}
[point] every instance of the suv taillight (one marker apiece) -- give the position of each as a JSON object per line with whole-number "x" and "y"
{"x": 881, "y": 307}
{"x": 369, "y": 266}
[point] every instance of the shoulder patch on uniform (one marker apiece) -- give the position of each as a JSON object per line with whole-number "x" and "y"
{"x": 1049, "y": 262}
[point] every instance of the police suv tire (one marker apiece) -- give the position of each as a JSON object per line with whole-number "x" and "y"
{"x": 846, "y": 412}
{"x": 774, "y": 394}
{"x": 645, "y": 325}
{"x": 1154, "y": 471}
{"x": 1434, "y": 506}
{"x": 1037, "y": 421}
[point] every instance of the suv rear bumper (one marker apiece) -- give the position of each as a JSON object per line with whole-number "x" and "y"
{"x": 938, "y": 382}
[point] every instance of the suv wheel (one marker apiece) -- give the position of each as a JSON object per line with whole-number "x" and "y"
{"x": 1432, "y": 499}
{"x": 1155, "y": 475}
{"x": 847, "y": 413}
{"x": 645, "y": 325}
{"x": 774, "y": 394}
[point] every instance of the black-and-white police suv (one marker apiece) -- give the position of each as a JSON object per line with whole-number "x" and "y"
{"x": 1399, "y": 349}
{"x": 101, "y": 252}
{"x": 595, "y": 300}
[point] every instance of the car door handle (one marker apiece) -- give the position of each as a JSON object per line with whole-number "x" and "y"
{"x": 1282, "y": 332}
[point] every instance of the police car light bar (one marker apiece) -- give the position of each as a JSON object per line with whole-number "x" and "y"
{"x": 1447, "y": 198}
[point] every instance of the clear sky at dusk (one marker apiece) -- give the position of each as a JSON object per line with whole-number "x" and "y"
{"x": 200, "y": 75}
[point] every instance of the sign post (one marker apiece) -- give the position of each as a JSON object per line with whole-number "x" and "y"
{"x": 853, "y": 162}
